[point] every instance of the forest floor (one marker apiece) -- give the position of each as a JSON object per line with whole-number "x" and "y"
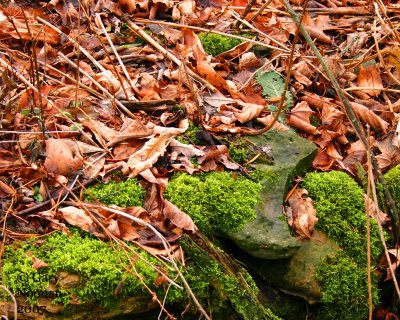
{"x": 93, "y": 87}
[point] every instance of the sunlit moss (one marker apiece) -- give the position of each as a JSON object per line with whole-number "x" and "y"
{"x": 217, "y": 201}
{"x": 339, "y": 202}
{"x": 124, "y": 194}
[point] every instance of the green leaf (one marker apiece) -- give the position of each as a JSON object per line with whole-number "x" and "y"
{"x": 273, "y": 85}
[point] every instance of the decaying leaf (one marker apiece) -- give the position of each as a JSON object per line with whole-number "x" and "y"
{"x": 61, "y": 157}
{"x": 77, "y": 217}
{"x": 302, "y": 216}
{"x": 178, "y": 217}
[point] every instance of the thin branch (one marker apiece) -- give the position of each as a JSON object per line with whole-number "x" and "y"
{"x": 352, "y": 117}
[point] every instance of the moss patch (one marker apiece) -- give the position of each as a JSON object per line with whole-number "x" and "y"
{"x": 217, "y": 201}
{"x": 392, "y": 178}
{"x": 124, "y": 194}
{"x": 339, "y": 203}
{"x": 215, "y": 44}
{"x": 190, "y": 135}
{"x": 101, "y": 269}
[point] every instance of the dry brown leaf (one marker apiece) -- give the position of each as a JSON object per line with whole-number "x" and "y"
{"x": 302, "y": 216}
{"x": 38, "y": 264}
{"x": 369, "y": 77}
{"x": 130, "y": 129}
{"x": 77, "y": 217}
{"x": 316, "y": 27}
{"x": 60, "y": 158}
{"x": 249, "y": 111}
{"x": 375, "y": 212}
{"x": 368, "y": 116}
{"x": 108, "y": 81}
{"x": 148, "y": 155}
{"x": 178, "y": 217}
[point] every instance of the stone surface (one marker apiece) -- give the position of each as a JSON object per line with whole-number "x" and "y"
{"x": 268, "y": 236}
{"x": 295, "y": 276}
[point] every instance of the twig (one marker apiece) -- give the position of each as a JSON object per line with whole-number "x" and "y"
{"x": 352, "y": 117}
{"x": 13, "y": 299}
{"x": 371, "y": 183}
{"x": 177, "y": 25}
{"x": 233, "y": 13}
{"x": 98, "y": 85}
{"x": 245, "y": 12}
{"x": 168, "y": 54}
{"x": 287, "y": 80}
{"x": 165, "y": 244}
{"x": 128, "y": 77}
{"x": 83, "y": 50}
{"x": 262, "y": 8}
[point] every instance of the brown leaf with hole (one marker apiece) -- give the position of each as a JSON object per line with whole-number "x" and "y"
{"x": 178, "y": 217}
{"x": 77, "y": 217}
{"x": 302, "y": 216}
{"x": 61, "y": 158}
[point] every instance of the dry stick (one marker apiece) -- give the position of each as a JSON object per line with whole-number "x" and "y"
{"x": 13, "y": 299}
{"x": 285, "y": 89}
{"x": 168, "y": 54}
{"x": 245, "y": 12}
{"x": 367, "y": 212}
{"x": 262, "y": 8}
{"x": 352, "y": 117}
{"x": 178, "y": 25}
{"x": 128, "y": 77}
{"x": 392, "y": 29}
{"x": 98, "y": 85}
{"x": 233, "y": 13}
{"x": 83, "y": 50}
{"x": 165, "y": 244}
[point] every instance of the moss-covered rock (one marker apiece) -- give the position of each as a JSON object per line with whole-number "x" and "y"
{"x": 339, "y": 202}
{"x": 89, "y": 278}
{"x": 216, "y": 201}
{"x": 268, "y": 235}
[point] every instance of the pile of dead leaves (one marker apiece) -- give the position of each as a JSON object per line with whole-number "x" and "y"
{"x": 91, "y": 87}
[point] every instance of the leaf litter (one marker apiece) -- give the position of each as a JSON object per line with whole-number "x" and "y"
{"x": 89, "y": 88}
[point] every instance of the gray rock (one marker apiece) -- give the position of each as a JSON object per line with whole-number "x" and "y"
{"x": 268, "y": 236}
{"x": 296, "y": 276}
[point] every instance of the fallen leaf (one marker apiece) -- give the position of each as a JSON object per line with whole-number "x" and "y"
{"x": 178, "y": 217}
{"x": 77, "y": 217}
{"x": 38, "y": 264}
{"x": 61, "y": 158}
{"x": 302, "y": 216}
{"x": 369, "y": 77}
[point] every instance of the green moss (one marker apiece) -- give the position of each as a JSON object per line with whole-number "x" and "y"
{"x": 124, "y": 194}
{"x": 339, "y": 202}
{"x": 239, "y": 151}
{"x": 103, "y": 268}
{"x": 216, "y": 201}
{"x": 344, "y": 288}
{"x": 222, "y": 288}
{"x": 392, "y": 178}
{"x": 100, "y": 268}
{"x": 215, "y": 44}
{"x": 190, "y": 137}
